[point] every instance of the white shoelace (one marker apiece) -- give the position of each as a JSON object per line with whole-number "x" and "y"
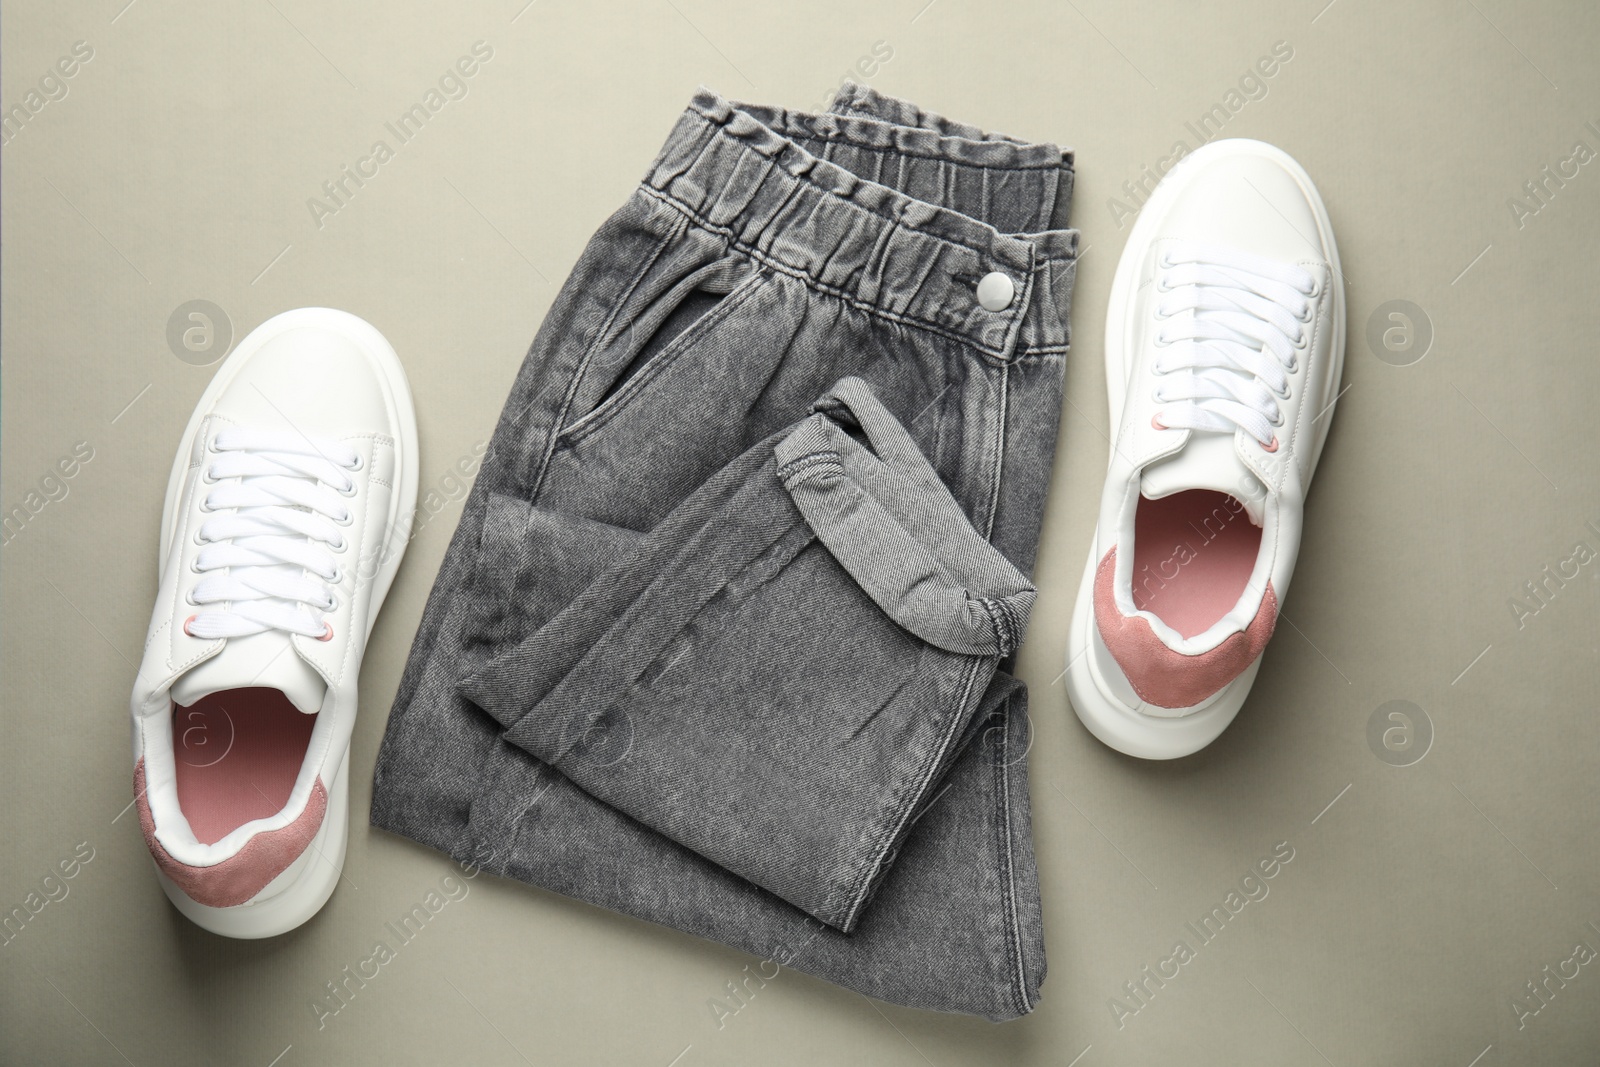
{"x": 284, "y": 514}
{"x": 1227, "y": 364}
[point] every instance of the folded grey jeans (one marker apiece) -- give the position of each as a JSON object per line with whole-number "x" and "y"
{"x": 720, "y": 641}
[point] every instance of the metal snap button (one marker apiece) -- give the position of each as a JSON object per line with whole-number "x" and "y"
{"x": 995, "y": 291}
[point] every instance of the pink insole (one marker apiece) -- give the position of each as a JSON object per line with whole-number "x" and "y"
{"x": 237, "y": 754}
{"x": 1192, "y": 555}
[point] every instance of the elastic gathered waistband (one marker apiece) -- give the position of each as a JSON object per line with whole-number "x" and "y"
{"x": 888, "y": 207}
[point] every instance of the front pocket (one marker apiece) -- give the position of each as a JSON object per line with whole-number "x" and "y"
{"x": 655, "y": 336}
{"x": 696, "y": 305}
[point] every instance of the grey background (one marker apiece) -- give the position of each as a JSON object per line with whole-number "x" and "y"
{"x": 1420, "y": 898}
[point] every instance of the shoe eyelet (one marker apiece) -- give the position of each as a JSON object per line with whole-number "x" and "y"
{"x": 1273, "y": 447}
{"x": 349, "y": 517}
{"x": 338, "y": 546}
{"x": 188, "y": 598}
{"x": 327, "y": 631}
{"x": 188, "y": 631}
{"x": 360, "y": 462}
{"x": 1156, "y": 423}
{"x": 350, "y": 492}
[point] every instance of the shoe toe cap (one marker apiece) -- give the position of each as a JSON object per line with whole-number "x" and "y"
{"x": 314, "y": 381}
{"x": 1250, "y": 200}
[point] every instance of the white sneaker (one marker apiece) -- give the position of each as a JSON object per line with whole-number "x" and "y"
{"x": 1224, "y": 346}
{"x": 286, "y": 516}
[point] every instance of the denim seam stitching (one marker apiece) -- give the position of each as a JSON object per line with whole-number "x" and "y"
{"x": 999, "y": 623}
{"x": 1010, "y": 627}
{"x": 986, "y": 352}
{"x": 1040, "y": 267}
{"x": 1011, "y": 635}
{"x": 996, "y": 468}
{"x": 1013, "y": 930}
{"x": 802, "y": 468}
{"x": 1003, "y": 796}
{"x": 865, "y": 880}
{"x": 989, "y": 609}
{"x": 1014, "y": 625}
{"x": 893, "y": 150}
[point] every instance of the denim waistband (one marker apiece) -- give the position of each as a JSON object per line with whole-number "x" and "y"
{"x": 890, "y": 208}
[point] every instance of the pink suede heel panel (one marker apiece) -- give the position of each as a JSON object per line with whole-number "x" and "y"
{"x": 1161, "y": 676}
{"x": 240, "y": 877}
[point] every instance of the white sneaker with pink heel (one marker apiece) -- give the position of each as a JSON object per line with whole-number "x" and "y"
{"x": 287, "y": 511}
{"x": 1224, "y": 347}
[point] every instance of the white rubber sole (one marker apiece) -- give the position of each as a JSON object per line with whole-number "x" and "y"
{"x": 1175, "y": 732}
{"x": 301, "y": 890}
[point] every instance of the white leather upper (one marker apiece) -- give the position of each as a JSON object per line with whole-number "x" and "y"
{"x": 1251, "y": 197}
{"x": 335, "y": 380}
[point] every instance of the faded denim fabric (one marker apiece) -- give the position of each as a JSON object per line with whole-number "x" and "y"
{"x": 720, "y": 641}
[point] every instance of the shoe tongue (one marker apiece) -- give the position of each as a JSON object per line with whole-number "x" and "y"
{"x": 266, "y": 660}
{"x": 1208, "y": 461}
